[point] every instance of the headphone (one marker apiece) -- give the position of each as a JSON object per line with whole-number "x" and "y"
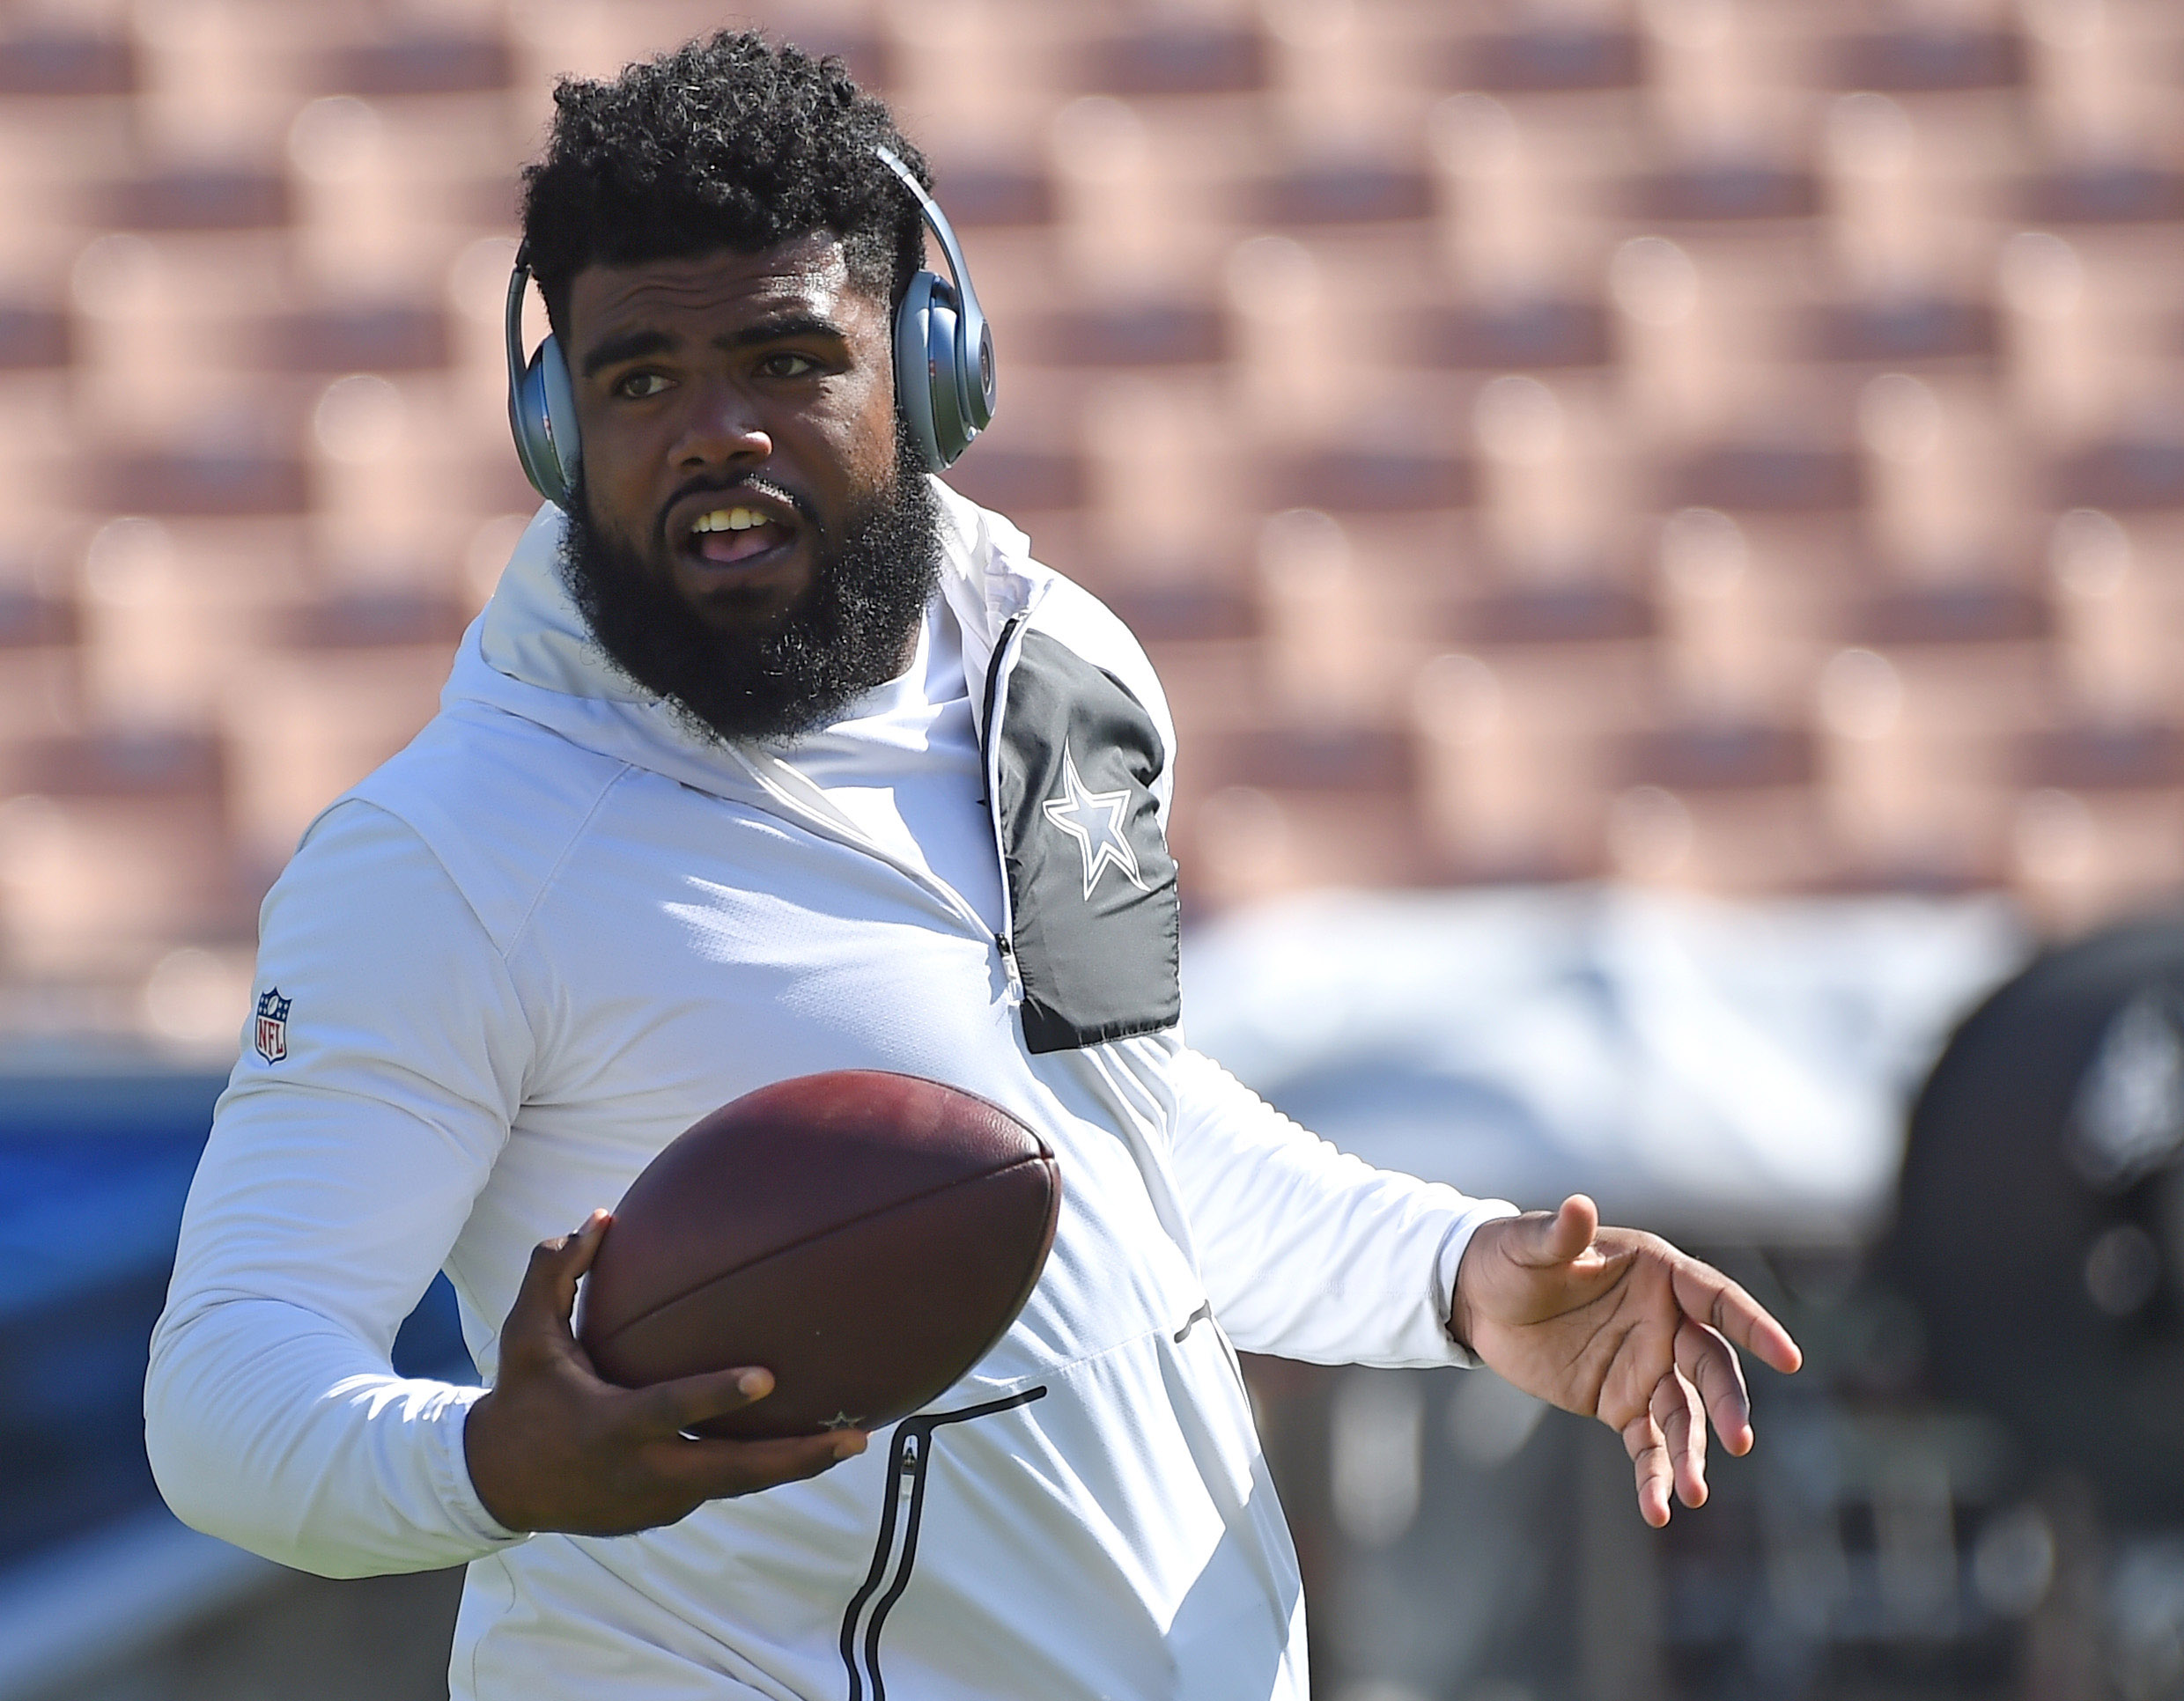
{"x": 943, "y": 367}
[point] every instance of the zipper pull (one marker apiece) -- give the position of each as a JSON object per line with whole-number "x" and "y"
{"x": 1009, "y": 966}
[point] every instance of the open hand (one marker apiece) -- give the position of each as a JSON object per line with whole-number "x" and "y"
{"x": 1619, "y": 1325}
{"x": 553, "y": 1447}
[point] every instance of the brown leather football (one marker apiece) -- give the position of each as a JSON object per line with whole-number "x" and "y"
{"x": 865, "y": 1236}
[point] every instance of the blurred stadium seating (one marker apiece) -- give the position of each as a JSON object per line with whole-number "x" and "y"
{"x": 1727, "y": 444}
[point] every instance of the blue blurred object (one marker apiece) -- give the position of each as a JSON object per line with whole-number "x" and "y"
{"x": 94, "y": 1171}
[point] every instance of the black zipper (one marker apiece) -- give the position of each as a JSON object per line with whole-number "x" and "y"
{"x": 904, "y": 1503}
{"x": 989, "y": 731}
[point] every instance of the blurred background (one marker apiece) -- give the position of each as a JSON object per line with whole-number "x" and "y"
{"x": 1661, "y": 524}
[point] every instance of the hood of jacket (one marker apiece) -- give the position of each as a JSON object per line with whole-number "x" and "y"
{"x": 531, "y": 654}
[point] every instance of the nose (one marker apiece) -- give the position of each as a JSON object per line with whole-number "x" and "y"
{"x": 723, "y": 427}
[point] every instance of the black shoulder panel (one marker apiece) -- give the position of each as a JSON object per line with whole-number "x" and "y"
{"x": 1090, "y": 881}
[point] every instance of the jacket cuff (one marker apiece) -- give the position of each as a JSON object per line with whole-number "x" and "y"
{"x": 1450, "y": 1256}
{"x": 451, "y": 1473}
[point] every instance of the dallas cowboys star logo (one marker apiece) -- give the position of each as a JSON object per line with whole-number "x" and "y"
{"x": 1095, "y": 820}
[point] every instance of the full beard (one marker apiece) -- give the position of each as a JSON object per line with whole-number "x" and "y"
{"x": 847, "y": 632}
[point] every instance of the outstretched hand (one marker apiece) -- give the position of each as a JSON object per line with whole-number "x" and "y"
{"x": 554, "y": 1448}
{"x": 1619, "y": 1325}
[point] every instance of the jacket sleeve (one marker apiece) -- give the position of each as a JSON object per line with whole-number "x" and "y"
{"x": 333, "y": 1184}
{"x": 1306, "y": 1251}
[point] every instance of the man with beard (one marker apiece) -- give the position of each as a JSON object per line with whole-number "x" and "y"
{"x": 757, "y": 671}
{"x": 773, "y": 755}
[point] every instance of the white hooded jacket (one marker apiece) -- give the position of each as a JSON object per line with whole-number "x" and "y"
{"x": 514, "y": 963}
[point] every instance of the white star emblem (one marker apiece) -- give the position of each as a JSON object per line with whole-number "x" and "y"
{"x": 1095, "y": 820}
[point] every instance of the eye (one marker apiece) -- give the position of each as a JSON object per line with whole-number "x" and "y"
{"x": 637, "y": 385}
{"x": 786, "y": 364}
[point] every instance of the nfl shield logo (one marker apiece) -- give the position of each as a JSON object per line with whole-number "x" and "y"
{"x": 273, "y": 1025}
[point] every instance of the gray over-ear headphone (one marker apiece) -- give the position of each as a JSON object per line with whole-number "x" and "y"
{"x": 943, "y": 367}
{"x": 943, "y": 346}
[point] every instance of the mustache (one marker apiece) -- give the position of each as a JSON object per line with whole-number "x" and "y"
{"x": 843, "y": 635}
{"x": 750, "y": 484}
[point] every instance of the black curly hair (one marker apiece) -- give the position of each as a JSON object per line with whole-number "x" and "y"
{"x": 728, "y": 141}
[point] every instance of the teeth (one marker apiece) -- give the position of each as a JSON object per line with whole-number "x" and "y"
{"x": 730, "y": 520}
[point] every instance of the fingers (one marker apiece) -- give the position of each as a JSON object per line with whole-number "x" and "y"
{"x": 671, "y": 1408}
{"x": 555, "y": 1264}
{"x": 1648, "y": 1450}
{"x": 1709, "y": 1364}
{"x": 715, "y": 1469}
{"x": 1676, "y": 1410}
{"x": 546, "y": 1299}
{"x": 1711, "y": 1298}
{"x": 581, "y": 1247}
{"x": 1666, "y": 1443}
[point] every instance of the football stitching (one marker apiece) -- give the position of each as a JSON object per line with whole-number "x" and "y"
{"x": 628, "y": 1323}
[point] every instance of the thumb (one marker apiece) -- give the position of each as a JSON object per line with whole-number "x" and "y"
{"x": 1561, "y": 1239}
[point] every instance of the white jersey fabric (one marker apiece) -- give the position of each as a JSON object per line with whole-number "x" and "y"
{"x": 902, "y": 763}
{"x": 556, "y": 929}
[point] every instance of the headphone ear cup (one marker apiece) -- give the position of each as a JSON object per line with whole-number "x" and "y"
{"x": 977, "y": 376}
{"x": 913, "y": 382}
{"x": 560, "y": 398}
{"x": 951, "y": 431}
{"x": 545, "y": 425}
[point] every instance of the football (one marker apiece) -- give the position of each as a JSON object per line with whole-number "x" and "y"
{"x": 865, "y": 1236}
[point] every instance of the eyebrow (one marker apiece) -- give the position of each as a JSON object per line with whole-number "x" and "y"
{"x": 631, "y": 345}
{"x": 781, "y": 329}
{"x": 634, "y": 345}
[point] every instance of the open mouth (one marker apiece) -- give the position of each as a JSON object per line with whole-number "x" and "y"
{"x": 735, "y": 534}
